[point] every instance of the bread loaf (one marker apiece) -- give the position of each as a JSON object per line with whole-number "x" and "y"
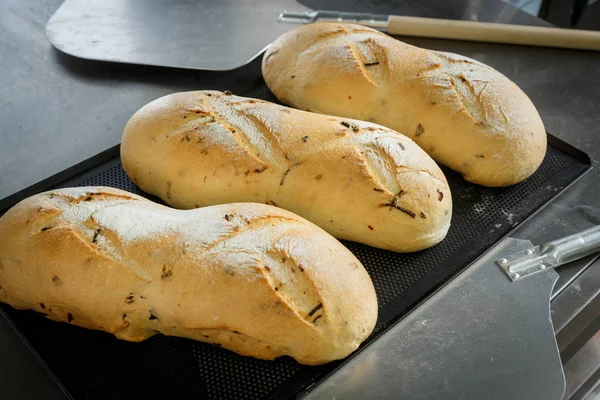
{"x": 358, "y": 181}
{"x": 463, "y": 113}
{"x": 252, "y": 278}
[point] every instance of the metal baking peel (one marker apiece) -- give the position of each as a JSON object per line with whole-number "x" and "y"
{"x": 227, "y": 34}
{"x": 208, "y": 35}
{"x": 509, "y": 344}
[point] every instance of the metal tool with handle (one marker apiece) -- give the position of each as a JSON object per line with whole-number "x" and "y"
{"x": 456, "y": 29}
{"x": 551, "y": 254}
{"x": 480, "y": 336}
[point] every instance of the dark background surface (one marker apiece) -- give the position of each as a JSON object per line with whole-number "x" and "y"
{"x": 57, "y": 111}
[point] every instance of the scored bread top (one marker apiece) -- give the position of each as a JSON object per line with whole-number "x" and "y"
{"x": 357, "y": 180}
{"x": 463, "y": 113}
{"x": 252, "y": 278}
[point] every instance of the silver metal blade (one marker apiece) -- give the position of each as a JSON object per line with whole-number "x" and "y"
{"x": 208, "y": 35}
{"x": 480, "y": 337}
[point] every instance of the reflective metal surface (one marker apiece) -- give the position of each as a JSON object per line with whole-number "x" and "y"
{"x": 582, "y": 372}
{"x": 568, "y": 273}
{"x": 577, "y": 309}
{"x": 481, "y": 336}
{"x": 208, "y": 35}
{"x": 211, "y": 35}
{"x": 535, "y": 260}
{"x": 376, "y": 21}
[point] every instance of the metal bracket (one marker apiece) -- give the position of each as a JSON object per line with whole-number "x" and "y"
{"x": 525, "y": 263}
{"x": 376, "y": 21}
{"x": 535, "y": 260}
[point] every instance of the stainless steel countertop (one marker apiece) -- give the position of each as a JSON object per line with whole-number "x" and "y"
{"x": 58, "y": 111}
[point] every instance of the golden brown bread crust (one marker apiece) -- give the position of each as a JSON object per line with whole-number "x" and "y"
{"x": 252, "y": 278}
{"x": 358, "y": 181}
{"x": 463, "y": 113}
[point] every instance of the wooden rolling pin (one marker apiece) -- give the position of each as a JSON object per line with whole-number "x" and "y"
{"x": 457, "y": 29}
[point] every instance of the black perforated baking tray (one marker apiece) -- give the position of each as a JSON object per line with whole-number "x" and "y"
{"x": 95, "y": 365}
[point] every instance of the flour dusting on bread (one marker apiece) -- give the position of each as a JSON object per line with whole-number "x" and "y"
{"x": 357, "y": 180}
{"x": 249, "y": 277}
{"x": 464, "y": 114}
